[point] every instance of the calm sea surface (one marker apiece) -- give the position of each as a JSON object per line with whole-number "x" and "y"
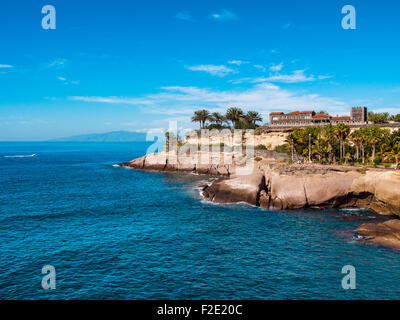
{"x": 114, "y": 233}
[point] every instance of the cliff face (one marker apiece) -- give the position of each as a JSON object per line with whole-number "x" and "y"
{"x": 199, "y": 163}
{"x": 287, "y": 188}
{"x": 383, "y": 188}
{"x": 284, "y": 187}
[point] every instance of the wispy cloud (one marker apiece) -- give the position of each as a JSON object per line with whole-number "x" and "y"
{"x": 64, "y": 80}
{"x": 260, "y": 67}
{"x": 6, "y": 66}
{"x": 295, "y": 77}
{"x": 237, "y": 62}
{"x": 223, "y": 15}
{"x": 276, "y": 68}
{"x": 183, "y": 15}
{"x": 58, "y": 63}
{"x": 181, "y": 101}
{"x": 113, "y": 100}
{"x": 219, "y": 71}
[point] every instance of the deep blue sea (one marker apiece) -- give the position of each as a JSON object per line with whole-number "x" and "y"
{"x": 115, "y": 233}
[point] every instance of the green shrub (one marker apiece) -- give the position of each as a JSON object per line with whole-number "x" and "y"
{"x": 260, "y": 147}
{"x": 258, "y": 131}
{"x": 377, "y": 161}
{"x": 284, "y": 148}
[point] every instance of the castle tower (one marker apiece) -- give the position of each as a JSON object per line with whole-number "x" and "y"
{"x": 359, "y": 114}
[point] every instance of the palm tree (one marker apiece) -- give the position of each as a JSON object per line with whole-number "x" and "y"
{"x": 356, "y": 138}
{"x": 217, "y": 118}
{"x": 329, "y": 136}
{"x": 363, "y": 140}
{"x": 342, "y": 131}
{"x": 168, "y": 136}
{"x": 253, "y": 117}
{"x": 201, "y": 116}
{"x": 319, "y": 148}
{"x": 374, "y": 137}
{"x": 234, "y": 115}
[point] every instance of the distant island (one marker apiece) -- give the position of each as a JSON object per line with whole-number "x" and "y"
{"x": 114, "y": 136}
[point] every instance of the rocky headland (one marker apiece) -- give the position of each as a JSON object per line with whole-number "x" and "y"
{"x": 279, "y": 186}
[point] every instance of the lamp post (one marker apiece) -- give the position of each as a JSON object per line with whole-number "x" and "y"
{"x": 292, "y": 150}
{"x": 309, "y": 148}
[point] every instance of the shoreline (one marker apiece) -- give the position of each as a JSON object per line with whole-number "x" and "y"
{"x": 272, "y": 185}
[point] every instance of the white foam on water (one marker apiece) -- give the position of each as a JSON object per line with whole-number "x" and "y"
{"x": 22, "y": 156}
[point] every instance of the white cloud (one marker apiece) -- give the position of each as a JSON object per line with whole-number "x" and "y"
{"x": 112, "y": 100}
{"x": 295, "y": 77}
{"x": 183, "y": 15}
{"x": 219, "y": 71}
{"x": 58, "y": 63}
{"x": 6, "y": 66}
{"x": 223, "y": 15}
{"x": 260, "y": 67}
{"x": 237, "y": 62}
{"x": 178, "y": 103}
{"x": 276, "y": 68}
{"x": 64, "y": 80}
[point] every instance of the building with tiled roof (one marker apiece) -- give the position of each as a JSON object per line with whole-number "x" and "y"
{"x": 304, "y": 118}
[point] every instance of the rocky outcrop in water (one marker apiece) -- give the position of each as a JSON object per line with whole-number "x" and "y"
{"x": 285, "y": 187}
{"x": 385, "y": 234}
{"x": 277, "y": 186}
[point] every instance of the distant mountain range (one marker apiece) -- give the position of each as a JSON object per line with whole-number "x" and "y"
{"x": 115, "y": 136}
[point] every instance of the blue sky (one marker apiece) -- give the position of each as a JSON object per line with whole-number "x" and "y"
{"x": 135, "y": 65}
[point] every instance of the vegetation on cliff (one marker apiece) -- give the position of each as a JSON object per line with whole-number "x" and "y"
{"x": 332, "y": 144}
{"x": 234, "y": 118}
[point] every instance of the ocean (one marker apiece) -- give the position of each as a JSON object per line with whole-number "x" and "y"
{"x": 115, "y": 233}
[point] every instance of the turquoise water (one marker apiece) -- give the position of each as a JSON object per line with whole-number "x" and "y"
{"x": 114, "y": 233}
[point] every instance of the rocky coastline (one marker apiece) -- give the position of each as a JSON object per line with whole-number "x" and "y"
{"x": 279, "y": 186}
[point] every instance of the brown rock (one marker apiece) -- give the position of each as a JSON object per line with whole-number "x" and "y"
{"x": 386, "y": 233}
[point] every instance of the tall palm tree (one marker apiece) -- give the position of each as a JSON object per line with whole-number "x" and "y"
{"x": 253, "y": 117}
{"x": 355, "y": 137}
{"x": 363, "y": 141}
{"x": 329, "y": 136}
{"x": 374, "y": 137}
{"x": 342, "y": 131}
{"x": 234, "y": 115}
{"x": 201, "y": 116}
{"x": 168, "y": 136}
{"x": 217, "y": 117}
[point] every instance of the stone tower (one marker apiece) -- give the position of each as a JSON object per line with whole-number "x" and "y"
{"x": 359, "y": 114}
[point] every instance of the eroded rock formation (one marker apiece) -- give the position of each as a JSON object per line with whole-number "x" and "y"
{"x": 278, "y": 186}
{"x": 386, "y": 233}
